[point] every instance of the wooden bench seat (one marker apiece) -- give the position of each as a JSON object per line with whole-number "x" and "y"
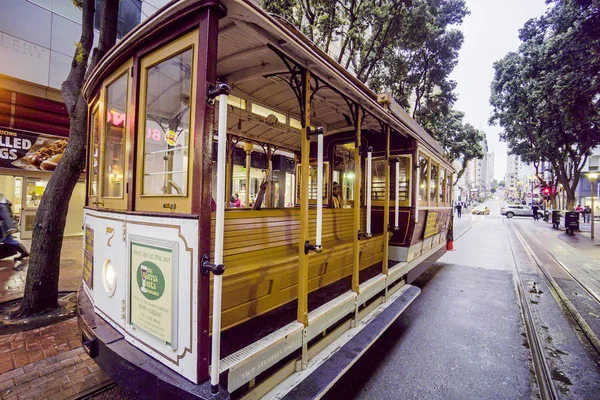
{"x": 261, "y": 258}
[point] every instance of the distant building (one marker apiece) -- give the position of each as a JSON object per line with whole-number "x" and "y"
{"x": 583, "y": 193}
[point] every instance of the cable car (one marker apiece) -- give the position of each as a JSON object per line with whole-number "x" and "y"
{"x": 252, "y": 208}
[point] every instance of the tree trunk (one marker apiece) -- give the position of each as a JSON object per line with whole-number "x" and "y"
{"x": 41, "y": 288}
{"x": 553, "y": 201}
{"x": 570, "y": 199}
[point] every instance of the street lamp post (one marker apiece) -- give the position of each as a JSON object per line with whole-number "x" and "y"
{"x": 592, "y": 176}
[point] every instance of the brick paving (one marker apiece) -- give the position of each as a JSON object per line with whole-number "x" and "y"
{"x": 48, "y": 362}
{"x": 12, "y": 280}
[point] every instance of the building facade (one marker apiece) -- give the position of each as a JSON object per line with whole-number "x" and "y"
{"x": 34, "y": 125}
{"x": 583, "y": 193}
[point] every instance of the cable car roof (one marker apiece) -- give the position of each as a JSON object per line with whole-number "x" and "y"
{"x": 252, "y": 48}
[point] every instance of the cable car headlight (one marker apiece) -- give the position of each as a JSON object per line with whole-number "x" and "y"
{"x": 109, "y": 277}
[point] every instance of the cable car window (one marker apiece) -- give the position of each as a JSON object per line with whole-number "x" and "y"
{"x": 343, "y": 172}
{"x": 312, "y": 182}
{"x": 448, "y": 186}
{"x": 378, "y": 179}
{"x": 167, "y": 125}
{"x": 423, "y": 163}
{"x": 442, "y": 197}
{"x": 433, "y": 183}
{"x": 114, "y": 140}
{"x": 94, "y": 153}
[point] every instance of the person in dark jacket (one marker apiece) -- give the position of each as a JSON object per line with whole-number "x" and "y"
{"x": 535, "y": 208}
{"x": 8, "y": 228}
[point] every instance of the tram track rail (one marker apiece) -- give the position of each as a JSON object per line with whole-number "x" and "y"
{"x": 566, "y": 269}
{"x": 587, "y": 333}
{"x": 94, "y": 391}
{"x": 540, "y": 365}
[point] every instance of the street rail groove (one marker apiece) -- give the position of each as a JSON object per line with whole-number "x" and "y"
{"x": 540, "y": 365}
{"x": 94, "y": 390}
{"x": 593, "y": 294}
{"x": 568, "y": 305}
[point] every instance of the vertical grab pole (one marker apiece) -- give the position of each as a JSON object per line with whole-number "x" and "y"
{"x": 223, "y": 91}
{"x": 302, "y": 312}
{"x": 319, "y": 189}
{"x": 386, "y": 207}
{"x": 397, "y": 203}
{"x": 418, "y": 186}
{"x": 369, "y": 177}
{"x": 357, "y": 208}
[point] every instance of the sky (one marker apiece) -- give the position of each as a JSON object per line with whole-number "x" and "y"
{"x": 491, "y": 31}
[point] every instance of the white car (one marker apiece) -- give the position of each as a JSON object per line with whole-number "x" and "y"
{"x": 518, "y": 210}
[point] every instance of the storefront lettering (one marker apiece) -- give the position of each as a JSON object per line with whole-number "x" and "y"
{"x": 15, "y": 143}
{"x": 10, "y": 145}
{"x": 20, "y": 46}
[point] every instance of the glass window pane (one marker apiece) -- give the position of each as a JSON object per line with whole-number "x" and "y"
{"x": 95, "y": 153}
{"x": 404, "y": 179}
{"x": 442, "y": 195}
{"x": 378, "y": 179}
{"x": 433, "y": 184}
{"x": 168, "y": 92}
{"x": 422, "y": 179}
{"x": 114, "y": 140}
{"x": 448, "y": 187}
{"x": 343, "y": 174}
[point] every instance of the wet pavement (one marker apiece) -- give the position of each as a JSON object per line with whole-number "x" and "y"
{"x": 46, "y": 362}
{"x": 464, "y": 338}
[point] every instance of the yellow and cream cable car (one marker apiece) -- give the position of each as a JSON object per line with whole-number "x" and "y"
{"x": 252, "y": 208}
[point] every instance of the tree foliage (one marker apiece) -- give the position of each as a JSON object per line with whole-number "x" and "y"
{"x": 546, "y": 95}
{"x": 41, "y": 287}
{"x": 406, "y": 47}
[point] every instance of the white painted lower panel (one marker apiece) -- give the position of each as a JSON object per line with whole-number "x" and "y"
{"x": 328, "y": 314}
{"x": 288, "y": 384}
{"x": 370, "y": 288}
{"x": 251, "y": 361}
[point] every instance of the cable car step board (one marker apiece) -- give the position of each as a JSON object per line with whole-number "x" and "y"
{"x": 331, "y": 363}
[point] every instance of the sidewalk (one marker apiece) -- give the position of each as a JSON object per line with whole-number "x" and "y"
{"x": 580, "y": 253}
{"x": 12, "y": 280}
{"x": 48, "y": 362}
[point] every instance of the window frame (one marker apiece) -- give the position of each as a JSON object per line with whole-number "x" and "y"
{"x": 392, "y": 183}
{"x": 119, "y": 203}
{"x": 435, "y": 194}
{"x": 427, "y": 157}
{"x": 181, "y": 204}
{"x": 95, "y": 107}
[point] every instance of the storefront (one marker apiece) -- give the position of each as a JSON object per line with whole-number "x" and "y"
{"x": 33, "y": 137}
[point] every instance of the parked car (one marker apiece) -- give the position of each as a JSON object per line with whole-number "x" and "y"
{"x": 518, "y": 210}
{"x": 480, "y": 210}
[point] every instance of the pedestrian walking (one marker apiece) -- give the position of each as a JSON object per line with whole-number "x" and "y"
{"x": 7, "y": 228}
{"x": 587, "y": 213}
{"x": 458, "y": 210}
{"x": 535, "y": 210}
{"x": 579, "y": 209}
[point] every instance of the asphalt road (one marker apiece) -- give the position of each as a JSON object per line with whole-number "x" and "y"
{"x": 463, "y": 337}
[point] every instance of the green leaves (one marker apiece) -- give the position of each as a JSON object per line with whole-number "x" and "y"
{"x": 546, "y": 94}
{"x": 406, "y": 47}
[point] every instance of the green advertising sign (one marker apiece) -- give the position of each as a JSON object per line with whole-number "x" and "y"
{"x": 151, "y": 290}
